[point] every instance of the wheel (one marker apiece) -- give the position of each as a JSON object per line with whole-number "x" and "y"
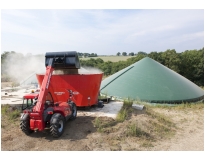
{"x": 74, "y": 112}
{"x": 57, "y": 125}
{"x": 25, "y": 124}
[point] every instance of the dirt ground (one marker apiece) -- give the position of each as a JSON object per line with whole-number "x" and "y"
{"x": 81, "y": 135}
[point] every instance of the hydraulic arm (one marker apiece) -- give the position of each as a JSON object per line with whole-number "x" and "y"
{"x": 36, "y": 123}
{"x": 44, "y": 88}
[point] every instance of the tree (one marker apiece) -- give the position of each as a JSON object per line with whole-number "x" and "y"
{"x": 99, "y": 60}
{"x": 141, "y": 52}
{"x": 80, "y": 54}
{"x": 92, "y": 55}
{"x": 106, "y": 67}
{"x": 86, "y": 54}
{"x": 124, "y": 53}
{"x": 192, "y": 66}
{"x": 131, "y": 54}
{"x": 118, "y": 53}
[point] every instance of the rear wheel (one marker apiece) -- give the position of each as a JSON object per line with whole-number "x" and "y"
{"x": 25, "y": 124}
{"x": 57, "y": 125}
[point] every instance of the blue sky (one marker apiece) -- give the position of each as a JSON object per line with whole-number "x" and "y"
{"x": 101, "y": 31}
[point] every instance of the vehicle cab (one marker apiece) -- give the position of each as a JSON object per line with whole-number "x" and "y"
{"x": 28, "y": 100}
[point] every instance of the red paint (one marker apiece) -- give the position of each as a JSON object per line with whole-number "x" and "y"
{"x": 83, "y": 86}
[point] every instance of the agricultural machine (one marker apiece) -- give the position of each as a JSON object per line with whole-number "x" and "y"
{"x": 62, "y": 91}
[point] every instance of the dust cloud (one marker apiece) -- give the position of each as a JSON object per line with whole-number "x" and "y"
{"x": 89, "y": 70}
{"x": 82, "y": 70}
{"x": 19, "y": 67}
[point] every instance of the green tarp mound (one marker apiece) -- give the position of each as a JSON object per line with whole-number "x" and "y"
{"x": 150, "y": 81}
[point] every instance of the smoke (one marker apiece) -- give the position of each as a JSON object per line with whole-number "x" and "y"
{"x": 82, "y": 70}
{"x": 19, "y": 67}
{"x": 89, "y": 70}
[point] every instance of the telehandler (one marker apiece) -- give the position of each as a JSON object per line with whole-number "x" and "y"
{"x": 44, "y": 113}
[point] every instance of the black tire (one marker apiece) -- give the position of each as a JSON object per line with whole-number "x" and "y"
{"x": 74, "y": 112}
{"x": 25, "y": 124}
{"x": 57, "y": 125}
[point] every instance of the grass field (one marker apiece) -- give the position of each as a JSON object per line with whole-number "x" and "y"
{"x": 110, "y": 58}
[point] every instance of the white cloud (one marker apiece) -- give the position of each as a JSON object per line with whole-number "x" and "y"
{"x": 100, "y": 31}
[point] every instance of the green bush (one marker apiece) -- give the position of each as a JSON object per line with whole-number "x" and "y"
{"x": 11, "y": 113}
{"x": 14, "y": 114}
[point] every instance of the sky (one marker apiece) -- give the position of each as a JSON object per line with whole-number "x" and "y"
{"x": 101, "y": 31}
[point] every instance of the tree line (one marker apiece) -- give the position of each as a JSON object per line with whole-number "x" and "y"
{"x": 80, "y": 54}
{"x": 189, "y": 63}
{"x": 129, "y": 54}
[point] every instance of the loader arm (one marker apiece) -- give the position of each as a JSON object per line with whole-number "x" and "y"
{"x": 44, "y": 88}
{"x": 36, "y": 121}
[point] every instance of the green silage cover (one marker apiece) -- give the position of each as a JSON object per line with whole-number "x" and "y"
{"x": 148, "y": 80}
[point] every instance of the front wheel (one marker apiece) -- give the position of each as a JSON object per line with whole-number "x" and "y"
{"x": 57, "y": 125}
{"x": 25, "y": 124}
{"x": 74, "y": 112}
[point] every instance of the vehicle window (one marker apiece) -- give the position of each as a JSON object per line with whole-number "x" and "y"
{"x": 27, "y": 103}
{"x": 24, "y": 104}
{"x": 30, "y": 102}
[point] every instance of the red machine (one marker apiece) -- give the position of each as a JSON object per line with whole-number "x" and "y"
{"x": 85, "y": 87}
{"x": 45, "y": 113}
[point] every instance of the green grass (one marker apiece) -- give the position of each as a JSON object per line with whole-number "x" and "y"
{"x": 182, "y": 106}
{"x": 4, "y": 109}
{"x": 194, "y": 106}
{"x": 14, "y": 114}
{"x": 110, "y": 58}
{"x": 136, "y": 131}
{"x": 9, "y": 113}
{"x": 122, "y": 115}
{"x": 199, "y": 105}
{"x": 98, "y": 124}
{"x": 103, "y": 124}
{"x": 124, "y": 112}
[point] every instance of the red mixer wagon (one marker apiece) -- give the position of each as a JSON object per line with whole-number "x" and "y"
{"x": 85, "y": 87}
